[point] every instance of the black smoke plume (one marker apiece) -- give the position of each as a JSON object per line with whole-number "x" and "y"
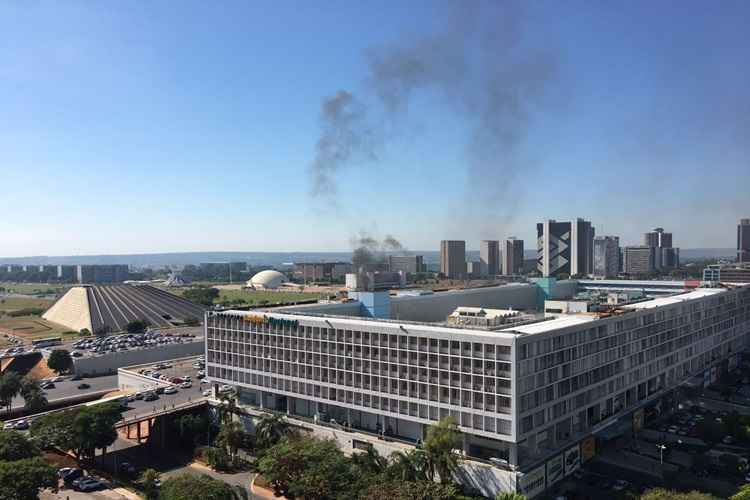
{"x": 369, "y": 252}
{"x": 478, "y": 67}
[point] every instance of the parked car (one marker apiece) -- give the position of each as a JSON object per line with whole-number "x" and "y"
{"x": 186, "y": 385}
{"x": 170, "y": 390}
{"x": 727, "y": 440}
{"x": 207, "y": 392}
{"x": 150, "y": 396}
{"x": 84, "y": 386}
{"x": 21, "y": 425}
{"x": 69, "y": 474}
{"x": 86, "y": 484}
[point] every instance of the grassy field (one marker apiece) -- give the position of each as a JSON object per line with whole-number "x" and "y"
{"x": 31, "y": 328}
{"x": 257, "y": 297}
{"x": 32, "y": 288}
{"x": 8, "y": 304}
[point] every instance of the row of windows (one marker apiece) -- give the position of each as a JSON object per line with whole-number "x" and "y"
{"x": 384, "y": 404}
{"x": 307, "y": 338}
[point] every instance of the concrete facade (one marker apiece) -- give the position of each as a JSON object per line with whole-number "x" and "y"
{"x": 489, "y": 258}
{"x": 109, "y": 363}
{"x": 512, "y": 257}
{"x": 527, "y": 394}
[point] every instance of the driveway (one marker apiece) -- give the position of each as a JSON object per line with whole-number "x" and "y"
{"x": 240, "y": 478}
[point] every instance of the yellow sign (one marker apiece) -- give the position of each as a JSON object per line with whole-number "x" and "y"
{"x": 258, "y": 320}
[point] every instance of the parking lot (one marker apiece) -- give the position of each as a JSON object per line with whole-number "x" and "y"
{"x": 133, "y": 341}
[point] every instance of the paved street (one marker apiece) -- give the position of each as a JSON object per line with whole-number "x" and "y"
{"x": 68, "y": 388}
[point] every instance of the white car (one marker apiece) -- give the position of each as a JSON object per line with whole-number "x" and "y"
{"x": 225, "y": 388}
{"x": 207, "y": 393}
{"x": 186, "y": 384}
{"x": 170, "y": 390}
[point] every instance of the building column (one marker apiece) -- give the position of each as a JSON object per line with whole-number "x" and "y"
{"x": 289, "y": 403}
{"x": 513, "y": 454}
{"x": 260, "y": 399}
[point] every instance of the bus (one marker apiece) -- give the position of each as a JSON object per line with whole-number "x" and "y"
{"x": 47, "y": 342}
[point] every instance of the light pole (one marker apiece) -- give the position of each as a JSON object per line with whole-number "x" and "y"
{"x": 661, "y": 453}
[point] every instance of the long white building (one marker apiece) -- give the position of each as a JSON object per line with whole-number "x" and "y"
{"x": 531, "y": 395}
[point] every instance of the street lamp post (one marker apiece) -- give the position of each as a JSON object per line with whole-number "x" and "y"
{"x": 661, "y": 453}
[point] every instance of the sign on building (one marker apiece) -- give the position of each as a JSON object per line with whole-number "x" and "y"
{"x": 555, "y": 470}
{"x": 533, "y": 482}
{"x": 572, "y": 460}
{"x": 588, "y": 449}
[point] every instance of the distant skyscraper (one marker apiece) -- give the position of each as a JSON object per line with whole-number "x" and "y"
{"x": 513, "y": 257}
{"x": 743, "y": 241}
{"x": 489, "y": 257}
{"x": 410, "y": 264}
{"x": 453, "y": 259}
{"x": 565, "y": 248}
{"x": 665, "y": 256}
{"x": 606, "y": 256}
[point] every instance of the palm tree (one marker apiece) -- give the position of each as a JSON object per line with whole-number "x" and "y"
{"x": 439, "y": 444}
{"x": 231, "y": 436}
{"x": 370, "y": 461}
{"x": 10, "y": 385}
{"x": 227, "y": 406}
{"x": 408, "y": 466}
{"x": 269, "y": 430}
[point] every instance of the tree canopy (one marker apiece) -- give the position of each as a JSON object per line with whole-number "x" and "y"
{"x": 10, "y": 386}
{"x": 663, "y": 494}
{"x": 189, "y": 487}
{"x": 137, "y": 326}
{"x": 60, "y": 361}
{"x": 23, "y": 473}
{"x": 442, "y": 438}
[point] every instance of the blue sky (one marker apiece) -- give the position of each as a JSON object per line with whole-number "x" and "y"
{"x": 183, "y": 126}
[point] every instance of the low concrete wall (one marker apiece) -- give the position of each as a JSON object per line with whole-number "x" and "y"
{"x": 130, "y": 381}
{"x": 109, "y": 363}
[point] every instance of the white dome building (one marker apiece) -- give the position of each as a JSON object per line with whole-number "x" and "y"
{"x": 267, "y": 279}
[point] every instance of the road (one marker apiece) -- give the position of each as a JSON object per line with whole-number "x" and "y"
{"x": 68, "y": 388}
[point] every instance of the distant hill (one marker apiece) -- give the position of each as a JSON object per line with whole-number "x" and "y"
{"x": 278, "y": 258}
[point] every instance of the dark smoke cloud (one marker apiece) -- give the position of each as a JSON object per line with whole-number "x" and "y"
{"x": 368, "y": 251}
{"x": 478, "y": 67}
{"x": 344, "y": 137}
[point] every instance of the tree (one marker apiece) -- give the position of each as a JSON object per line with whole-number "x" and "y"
{"x": 419, "y": 490}
{"x": 439, "y": 444}
{"x": 150, "y": 480}
{"x": 231, "y": 436}
{"x": 15, "y": 446}
{"x": 34, "y": 397}
{"x": 370, "y": 462}
{"x": 510, "y": 496}
{"x": 23, "y": 479}
{"x": 136, "y": 326}
{"x": 216, "y": 458}
{"x": 193, "y": 429}
{"x": 742, "y": 494}
{"x": 408, "y": 466}
{"x": 270, "y": 429}
{"x": 60, "y": 361}
{"x": 189, "y": 487}
{"x": 309, "y": 468}
{"x": 10, "y": 386}
{"x": 662, "y": 494}
{"x": 22, "y": 472}
{"x": 228, "y": 406}
{"x": 83, "y": 430}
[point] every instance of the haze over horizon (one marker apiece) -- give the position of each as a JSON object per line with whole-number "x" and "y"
{"x": 279, "y": 126}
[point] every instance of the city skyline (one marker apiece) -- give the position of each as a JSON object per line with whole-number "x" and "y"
{"x": 130, "y": 129}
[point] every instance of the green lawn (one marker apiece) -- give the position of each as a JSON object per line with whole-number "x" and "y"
{"x": 257, "y": 297}
{"x": 33, "y": 327}
{"x": 8, "y": 304}
{"x": 32, "y": 288}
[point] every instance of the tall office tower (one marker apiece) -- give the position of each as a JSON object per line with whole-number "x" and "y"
{"x": 640, "y": 260}
{"x": 489, "y": 257}
{"x": 513, "y": 257}
{"x": 565, "y": 248}
{"x": 658, "y": 238}
{"x": 453, "y": 259}
{"x": 665, "y": 256}
{"x": 743, "y": 241}
{"x": 606, "y": 256}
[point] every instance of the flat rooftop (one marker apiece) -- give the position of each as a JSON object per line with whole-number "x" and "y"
{"x": 675, "y": 299}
